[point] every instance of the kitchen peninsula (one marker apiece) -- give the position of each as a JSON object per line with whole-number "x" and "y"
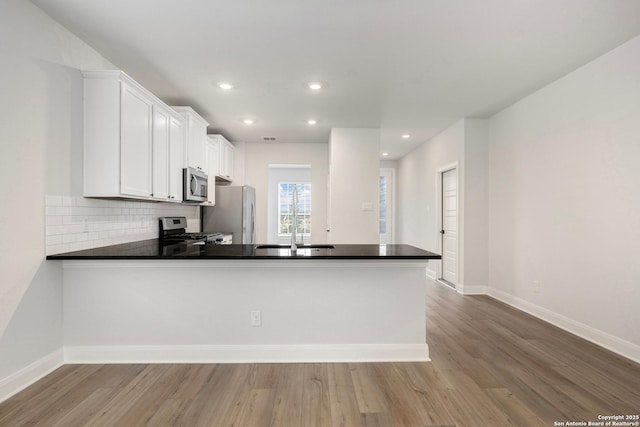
{"x": 148, "y": 302}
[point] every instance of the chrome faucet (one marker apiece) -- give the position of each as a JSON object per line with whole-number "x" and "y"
{"x": 294, "y": 196}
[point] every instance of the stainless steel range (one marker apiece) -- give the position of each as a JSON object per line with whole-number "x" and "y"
{"x": 173, "y": 230}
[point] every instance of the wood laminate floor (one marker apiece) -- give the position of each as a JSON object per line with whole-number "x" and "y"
{"x": 492, "y": 366}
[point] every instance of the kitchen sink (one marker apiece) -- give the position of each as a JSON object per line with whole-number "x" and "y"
{"x": 299, "y": 247}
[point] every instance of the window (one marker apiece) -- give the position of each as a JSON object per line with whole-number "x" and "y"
{"x": 285, "y": 209}
{"x": 386, "y": 205}
{"x": 383, "y": 205}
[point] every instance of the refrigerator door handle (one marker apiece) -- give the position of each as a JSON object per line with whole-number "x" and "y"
{"x": 253, "y": 224}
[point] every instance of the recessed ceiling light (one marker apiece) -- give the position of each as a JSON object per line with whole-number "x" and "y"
{"x": 385, "y": 154}
{"x": 406, "y": 136}
{"x": 312, "y": 122}
{"x": 225, "y": 86}
{"x": 248, "y": 121}
{"x": 315, "y": 85}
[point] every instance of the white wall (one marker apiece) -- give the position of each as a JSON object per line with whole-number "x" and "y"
{"x": 189, "y": 311}
{"x": 390, "y": 164}
{"x": 40, "y": 154}
{"x": 354, "y": 158}
{"x": 416, "y": 188}
{"x": 464, "y": 143}
{"x": 475, "y": 221}
{"x": 564, "y": 203}
{"x": 258, "y": 157}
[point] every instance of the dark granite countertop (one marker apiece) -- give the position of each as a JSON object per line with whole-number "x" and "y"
{"x": 154, "y": 249}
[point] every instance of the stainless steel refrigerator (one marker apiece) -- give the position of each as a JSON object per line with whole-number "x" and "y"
{"x": 234, "y": 212}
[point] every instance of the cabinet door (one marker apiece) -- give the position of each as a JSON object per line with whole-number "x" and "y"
{"x": 212, "y": 162}
{"x": 213, "y": 157}
{"x": 176, "y": 163}
{"x": 197, "y": 134}
{"x": 226, "y": 160}
{"x": 160, "y": 163}
{"x": 223, "y": 164}
{"x": 135, "y": 143}
{"x": 230, "y": 161}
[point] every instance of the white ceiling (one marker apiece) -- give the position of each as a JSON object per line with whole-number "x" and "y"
{"x": 405, "y": 66}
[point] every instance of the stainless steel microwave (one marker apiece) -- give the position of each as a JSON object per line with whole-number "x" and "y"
{"x": 195, "y": 185}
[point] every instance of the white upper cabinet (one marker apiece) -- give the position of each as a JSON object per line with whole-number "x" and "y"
{"x": 135, "y": 143}
{"x": 168, "y": 147}
{"x": 160, "y": 150}
{"x": 176, "y": 158}
{"x": 213, "y": 154}
{"x": 129, "y": 135}
{"x": 195, "y": 138}
{"x": 227, "y": 159}
{"x": 226, "y": 153}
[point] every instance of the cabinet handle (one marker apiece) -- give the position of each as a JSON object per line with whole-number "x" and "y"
{"x": 151, "y": 194}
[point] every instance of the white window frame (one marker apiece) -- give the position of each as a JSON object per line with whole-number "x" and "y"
{"x": 302, "y": 235}
{"x": 390, "y": 237}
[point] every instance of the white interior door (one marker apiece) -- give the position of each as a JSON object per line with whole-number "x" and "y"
{"x": 449, "y": 231}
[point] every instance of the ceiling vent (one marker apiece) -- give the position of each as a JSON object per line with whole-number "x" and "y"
{"x": 269, "y": 138}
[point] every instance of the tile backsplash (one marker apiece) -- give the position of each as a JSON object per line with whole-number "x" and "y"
{"x": 76, "y": 223}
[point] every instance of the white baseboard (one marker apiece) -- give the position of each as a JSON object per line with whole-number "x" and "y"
{"x": 249, "y": 353}
{"x": 28, "y": 375}
{"x": 431, "y": 274}
{"x": 472, "y": 290}
{"x": 596, "y": 336}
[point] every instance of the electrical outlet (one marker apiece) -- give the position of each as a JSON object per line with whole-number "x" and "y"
{"x": 256, "y": 318}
